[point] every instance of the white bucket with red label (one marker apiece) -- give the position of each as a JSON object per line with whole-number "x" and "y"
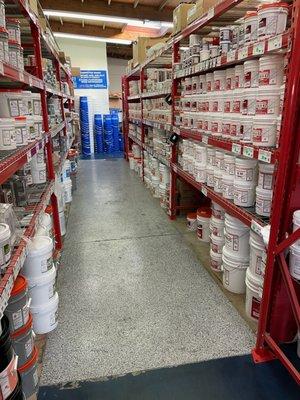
{"x": 268, "y": 101}
{"x": 217, "y": 243}
{"x": 257, "y": 254}
{"x": 263, "y": 202}
{"x": 215, "y": 261}
{"x": 264, "y": 131}
{"x": 265, "y": 175}
{"x": 271, "y": 70}
{"x": 272, "y": 18}
{"x": 203, "y": 221}
{"x": 254, "y": 287}
{"x": 244, "y": 193}
{"x": 245, "y": 170}
{"x": 234, "y": 272}
{"x": 236, "y": 236}
{"x": 227, "y": 186}
{"x": 217, "y": 226}
{"x": 217, "y": 211}
{"x": 251, "y": 73}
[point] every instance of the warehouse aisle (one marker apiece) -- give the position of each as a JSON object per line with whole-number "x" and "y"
{"x": 132, "y": 293}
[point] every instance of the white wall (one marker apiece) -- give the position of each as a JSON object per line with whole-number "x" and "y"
{"x": 88, "y": 55}
{"x": 116, "y": 68}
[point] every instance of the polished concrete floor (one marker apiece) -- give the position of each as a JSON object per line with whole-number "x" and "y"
{"x": 133, "y": 296}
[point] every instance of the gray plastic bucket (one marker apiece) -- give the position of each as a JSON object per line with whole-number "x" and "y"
{"x": 29, "y": 375}
{"x": 17, "y": 310}
{"x": 23, "y": 342}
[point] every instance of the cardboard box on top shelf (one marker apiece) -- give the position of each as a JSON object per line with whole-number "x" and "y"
{"x": 180, "y": 17}
{"x": 75, "y": 71}
{"x": 200, "y": 8}
{"x": 141, "y": 46}
{"x": 62, "y": 57}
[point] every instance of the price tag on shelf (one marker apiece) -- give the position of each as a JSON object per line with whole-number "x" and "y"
{"x": 30, "y": 80}
{"x": 264, "y": 155}
{"x": 248, "y": 151}
{"x": 205, "y": 139}
{"x": 204, "y": 191}
{"x": 256, "y": 227}
{"x": 29, "y": 156}
{"x": 1, "y": 68}
{"x": 236, "y": 148}
{"x": 21, "y": 76}
{"x": 243, "y": 53}
{"x": 258, "y": 48}
{"x": 231, "y": 56}
{"x": 275, "y": 43}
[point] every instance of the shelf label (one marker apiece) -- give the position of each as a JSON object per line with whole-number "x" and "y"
{"x": 205, "y": 139}
{"x": 21, "y": 76}
{"x": 264, "y": 155}
{"x": 243, "y": 53}
{"x": 236, "y": 148}
{"x": 231, "y": 56}
{"x": 29, "y": 156}
{"x": 1, "y": 68}
{"x": 204, "y": 191}
{"x": 275, "y": 43}
{"x": 256, "y": 227}
{"x": 30, "y": 80}
{"x": 248, "y": 151}
{"x": 258, "y": 48}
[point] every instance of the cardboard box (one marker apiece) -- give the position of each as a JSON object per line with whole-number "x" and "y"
{"x": 75, "y": 71}
{"x": 200, "y": 8}
{"x": 180, "y": 17}
{"x": 140, "y": 48}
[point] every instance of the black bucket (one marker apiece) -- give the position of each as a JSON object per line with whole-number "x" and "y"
{"x": 6, "y": 349}
{"x": 17, "y": 394}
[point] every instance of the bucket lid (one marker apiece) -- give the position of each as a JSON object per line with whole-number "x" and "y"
{"x": 30, "y": 362}
{"x": 40, "y": 243}
{"x": 250, "y": 14}
{"x": 271, "y": 5}
{"x": 24, "y": 328}
{"x": 19, "y": 286}
{"x": 236, "y": 257}
{"x": 204, "y": 212}
{"x": 192, "y": 215}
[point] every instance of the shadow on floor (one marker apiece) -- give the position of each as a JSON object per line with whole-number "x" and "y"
{"x": 233, "y": 378}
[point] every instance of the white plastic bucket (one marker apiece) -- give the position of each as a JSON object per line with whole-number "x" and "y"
{"x": 246, "y": 128}
{"x": 272, "y": 18}
{"x": 217, "y": 243}
{"x": 11, "y": 104}
{"x": 251, "y": 74}
{"x": 257, "y": 254}
{"x": 215, "y": 261}
{"x": 250, "y": 26}
{"x": 217, "y": 226}
{"x": 218, "y": 180}
{"x": 5, "y": 243}
{"x": 227, "y": 186}
{"x": 21, "y": 131}
{"x": 249, "y": 101}
{"x": 203, "y": 228}
{"x": 229, "y": 164}
{"x": 245, "y": 170}
{"x": 191, "y": 221}
{"x": 264, "y": 131}
{"x": 296, "y": 223}
{"x": 45, "y": 316}
{"x": 39, "y": 257}
{"x": 67, "y": 186}
{"x": 7, "y": 134}
{"x": 243, "y": 193}
{"x": 268, "y": 101}
{"x": 239, "y": 76}
{"x": 271, "y": 70}
{"x": 44, "y": 227}
{"x": 39, "y": 174}
{"x": 263, "y": 201}
{"x": 266, "y": 175}
{"x": 254, "y": 287}
{"x": 234, "y": 272}
{"x": 42, "y": 288}
{"x": 217, "y": 211}
{"x": 236, "y": 237}
{"x": 295, "y": 261}
{"x": 200, "y": 172}
{"x": 209, "y": 176}
{"x": 219, "y": 80}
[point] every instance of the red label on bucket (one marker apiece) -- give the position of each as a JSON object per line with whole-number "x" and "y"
{"x": 262, "y": 106}
{"x": 255, "y": 308}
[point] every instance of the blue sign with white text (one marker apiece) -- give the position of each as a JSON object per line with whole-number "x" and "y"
{"x": 90, "y": 79}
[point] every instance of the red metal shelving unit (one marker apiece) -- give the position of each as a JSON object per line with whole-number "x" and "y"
{"x": 280, "y": 309}
{"x": 16, "y": 159}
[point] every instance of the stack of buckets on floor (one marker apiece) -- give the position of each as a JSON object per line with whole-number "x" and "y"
{"x": 98, "y": 134}
{"x": 235, "y": 251}
{"x": 116, "y": 130}
{"x": 31, "y": 309}
{"x": 294, "y": 260}
{"x": 108, "y": 134}
{"x": 84, "y": 126}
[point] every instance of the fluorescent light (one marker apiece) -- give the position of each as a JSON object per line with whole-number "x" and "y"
{"x": 92, "y": 38}
{"x": 105, "y": 18}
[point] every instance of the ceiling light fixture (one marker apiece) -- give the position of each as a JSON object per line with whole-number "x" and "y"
{"x": 92, "y": 38}
{"x": 105, "y": 18}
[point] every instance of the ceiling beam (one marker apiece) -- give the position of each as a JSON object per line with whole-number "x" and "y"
{"x": 163, "y": 4}
{"x": 89, "y": 30}
{"x": 114, "y": 9}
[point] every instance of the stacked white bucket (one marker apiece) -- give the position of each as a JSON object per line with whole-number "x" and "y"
{"x": 59, "y": 192}
{"x": 41, "y": 275}
{"x": 38, "y": 168}
{"x": 294, "y": 261}
{"x": 66, "y": 181}
{"x": 217, "y": 237}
